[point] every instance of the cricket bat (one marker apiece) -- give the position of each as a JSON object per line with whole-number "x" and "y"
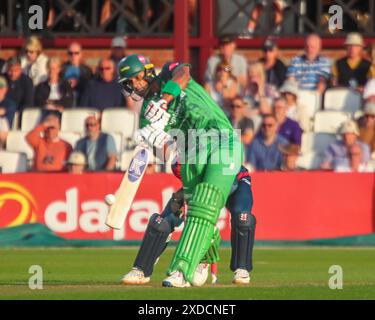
{"x": 127, "y": 190}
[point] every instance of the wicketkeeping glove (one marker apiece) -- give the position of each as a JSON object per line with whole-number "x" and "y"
{"x": 154, "y": 137}
{"x": 156, "y": 112}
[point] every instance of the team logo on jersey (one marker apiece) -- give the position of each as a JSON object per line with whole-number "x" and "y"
{"x": 243, "y": 216}
{"x": 159, "y": 219}
{"x": 138, "y": 165}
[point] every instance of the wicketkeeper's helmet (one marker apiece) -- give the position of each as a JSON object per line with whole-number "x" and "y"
{"x": 130, "y": 67}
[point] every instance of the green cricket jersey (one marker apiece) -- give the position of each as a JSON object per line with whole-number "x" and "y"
{"x": 193, "y": 109}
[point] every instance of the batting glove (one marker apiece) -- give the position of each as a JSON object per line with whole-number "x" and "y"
{"x": 156, "y": 112}
{"x": 154, "y": 137}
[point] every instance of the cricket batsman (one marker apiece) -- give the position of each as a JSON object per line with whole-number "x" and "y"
{"x": 174, "y": 104}
{"x": 161, "y": 226}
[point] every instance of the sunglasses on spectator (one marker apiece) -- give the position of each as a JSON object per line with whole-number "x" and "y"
{"x": 105, "y": 68}
{"x": 91, "y": 124}
{"x": 237, "y": 106}
{"x": 268, "y": 125}
{"x": 369, "y": 115}
{"x": 71, "y": 53}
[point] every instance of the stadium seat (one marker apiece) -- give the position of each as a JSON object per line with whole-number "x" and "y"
{"x": 309, "y": 161}
{"x": 371, "y": 164}
{"x": 120, "y": 120}
{"x": 11, "y": 162}
{"x": 73, "y": 120}
{"x": 329, "y": 121}
{"x": 310, "y": 99}
{"x": 358, "y": 114}
{"x": 126, "y": 157}
{"x": 16, "y": 142}
{"x": 30, "y": 118}
{"x": 118, "y": 141}
{"x": 70, "y": 137}
{"x": 316, "y": 142}
{"x": 342, "y": 99}
{"x": 16, "y": 121}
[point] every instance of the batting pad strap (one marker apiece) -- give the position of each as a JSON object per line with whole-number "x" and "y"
{"x": 172, "y": 88}
{"x": 212, "y": 254}
{"x": 206, "y": 202}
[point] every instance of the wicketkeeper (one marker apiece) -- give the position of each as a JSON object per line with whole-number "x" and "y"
{"x": 173, "y": 100}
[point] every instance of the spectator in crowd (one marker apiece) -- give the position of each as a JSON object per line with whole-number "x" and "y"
{"x": 98, "y": 147}
{"x": 367, "y": 127}
{"x": 287, "y": 128}
{"x": 258, "y": 93}
{"x": 224, "y": 86}
{"x": 21, "y": 88}
{"x": 34, "y": 61}
{"x": 275, "y": 68}
{"x": 355, "y": 161}
{"x": 7, "y": 106}
{"x": 369, "y": 91}
{"x": 2, "y": 65}
{"x": 263, "y": 153}
{"x": 7, "y": 110}
{"x": 295, "y": 110}
{"x": 227, "y": 48}
{"x": 50, "y": 152}
{"x": 311, "y": 70}
{"x": 54, "y": 94}
{"x": 118, "y": 49}
{"x": 103, "y": 91}
{"x": 278, "y": 7}
{"x": 353, "y": 70}
{"x": 337, "y": 152}
{"x": 75, "y": 71}
{"x": 240, "y": 121}
{"x": 290, "y": 154}
{"x": 76, "y": 162}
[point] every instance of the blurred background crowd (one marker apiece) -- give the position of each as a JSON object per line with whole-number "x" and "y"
{"x": 308, "y": 112}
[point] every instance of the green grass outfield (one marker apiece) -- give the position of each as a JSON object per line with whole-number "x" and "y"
{"x": 279, "y": 273}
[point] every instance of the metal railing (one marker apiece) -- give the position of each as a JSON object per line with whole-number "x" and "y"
{"x": 155, "y": 18}
{"x": 299, "y": 17}
{"x": 89, "y": 18}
